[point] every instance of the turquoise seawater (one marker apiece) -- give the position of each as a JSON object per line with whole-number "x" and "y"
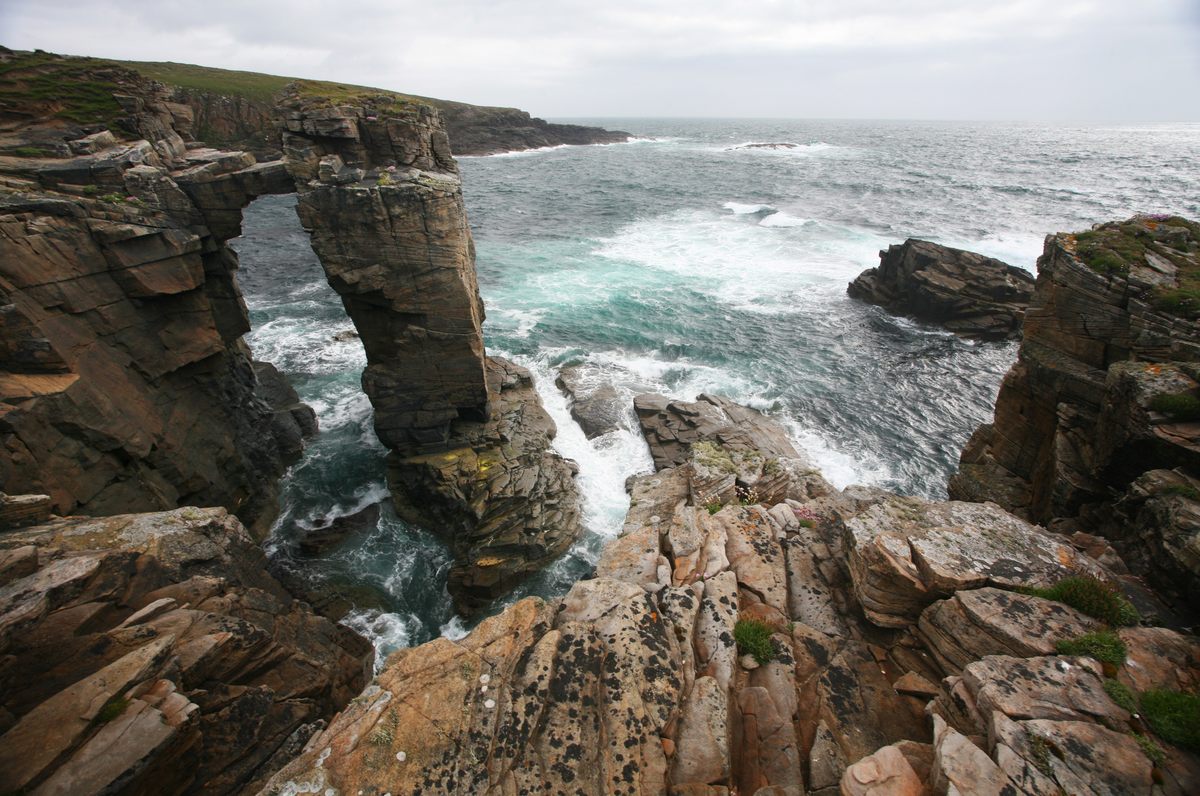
{"x": 682, "y": 263}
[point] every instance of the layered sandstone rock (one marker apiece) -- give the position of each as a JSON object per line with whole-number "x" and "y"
{"x": 969, "y": 294}
{"x": 1110, "y": 332}
{"x": 125, "y": 384}
{"x": 153, "y": 653}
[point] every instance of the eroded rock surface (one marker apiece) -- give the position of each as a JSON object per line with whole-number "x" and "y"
{"x": 969, "y": 294}
{"x": 152, "y": 653}
{"x": 1110, "y": 333}
{"x": 124, "y": 382}
{"x": 634, "y": 682}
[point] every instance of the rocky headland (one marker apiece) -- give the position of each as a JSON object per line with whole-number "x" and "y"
{"x": 236, "y": 110}
{"x": 126, "y": 383}
{"x": 969, "y": 294}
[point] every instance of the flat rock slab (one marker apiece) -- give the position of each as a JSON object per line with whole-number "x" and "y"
{"x": 905, "y": 553}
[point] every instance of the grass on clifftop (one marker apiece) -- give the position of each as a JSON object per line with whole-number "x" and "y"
{"x": 262, "y": 88}
{"x": 1174, "y": 717}
{"x": 1105, "y": 646}
{"x": 754, "y": 639}
{"x": 1093, "y": 597}
{"x": 41, "y": 84}
{"x": 1112, "y": 249}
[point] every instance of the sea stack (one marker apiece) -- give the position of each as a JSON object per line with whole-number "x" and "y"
{"x": 969, "y": 294}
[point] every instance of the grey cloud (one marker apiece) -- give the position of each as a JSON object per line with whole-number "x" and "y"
{"x": 1020, "y": 59}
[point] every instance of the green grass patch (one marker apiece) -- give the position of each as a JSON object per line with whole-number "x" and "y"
{"x": 1183, "y": 407}
{"x": 111, "y": 710}
{"x": 714, "y": 507}
{"x": 754, "y": 638}
{"x": 1121, "y": 694}
{"x": 1150, "y": 749}
{"x": 1182, "y": 490}
{"x": 1103, "y": 645}
{"x": 254, "y": 86}
{"x": 1174, "y": 716}
{"x": 1093, "y": 597}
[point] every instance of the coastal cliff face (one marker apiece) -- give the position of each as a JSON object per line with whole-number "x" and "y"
{"x": 971, "y": 295}
{"x": 754, "y": 630}
{"x": 129, "y": 387}
{"x": 125, "y": 382}
{"x": 1097, "y": 414}
{"x": 152, "y": 653}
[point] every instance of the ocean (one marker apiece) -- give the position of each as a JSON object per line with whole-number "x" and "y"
{"x": 684, "y": 262}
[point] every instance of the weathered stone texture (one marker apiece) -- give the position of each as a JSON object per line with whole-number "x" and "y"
{"x": 969, "y": 294}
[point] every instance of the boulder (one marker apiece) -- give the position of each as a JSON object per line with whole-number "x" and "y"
{"x": 598, "y": 408}
{"x": 969, "y": 294}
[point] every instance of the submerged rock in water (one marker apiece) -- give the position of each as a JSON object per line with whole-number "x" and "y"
{"x": 598, "y": 409}
{"x": 153, "y": 653}
{"x": 969, "y": 294}
{"x": 765, "y": 145}
{"x": 327, "y": 534}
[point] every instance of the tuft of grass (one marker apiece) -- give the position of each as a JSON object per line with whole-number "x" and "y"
{"x": 1183, "y": 490}
{"x": 1150, "y": 749}
{"x": 1182, "y": 406}
{"x": 1040, "y": 749}
{"x": 30, "y": 152}
{"x": 807, "y": 523}
{"x": 714, "y": 507}
{"x": 1103, "y": 645}
{"x": 1121, "y": 694}
{"x": 754, "y": 638}
{"x": 1174, "y": 716}
{"x": 111, "y": 710}
{"x": 1093, "y": 597}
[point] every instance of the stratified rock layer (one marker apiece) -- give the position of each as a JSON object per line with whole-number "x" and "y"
{"x": 152, "y": 653}
{"x": 969, "y": 294}
{"x": 1108, "y": 335}
{"x": 124, "y": 384}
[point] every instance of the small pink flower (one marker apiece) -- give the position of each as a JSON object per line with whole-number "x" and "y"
{"x": 391, "y": 168}
{"x": 131, "y": 198}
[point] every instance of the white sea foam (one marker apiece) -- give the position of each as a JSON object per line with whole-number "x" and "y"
{"x": 386, "y": 631}
{"x": 762, "y": 268}
{"x": 739, "y": 209}
{"x": 341, "y": 406}
{"x": 784, "y": 220}
{"x": 604, "y": 463}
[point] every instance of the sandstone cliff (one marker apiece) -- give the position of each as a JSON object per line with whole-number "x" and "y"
{"x": 153, "y": 654}
{"x": 125, "y": 385}
{"x": 969, "y": 294}
{"x": 1095, "y": 423}
{"x": 471, "y": 444}
{"x": 236, "y": 109}
{"x": 753, "y": 630}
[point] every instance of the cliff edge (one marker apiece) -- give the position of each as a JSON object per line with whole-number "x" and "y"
{"x": 1095, "y": 426}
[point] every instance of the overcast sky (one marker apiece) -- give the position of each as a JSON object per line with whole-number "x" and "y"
{"x": 1106, "y": 60}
